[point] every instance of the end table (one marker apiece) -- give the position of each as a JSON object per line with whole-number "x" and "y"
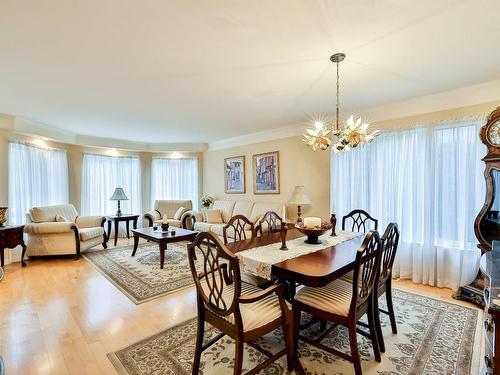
{"x": 10, "y": 237}
{"x": 116, "y": 220}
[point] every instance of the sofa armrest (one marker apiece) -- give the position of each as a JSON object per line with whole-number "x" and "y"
{"x": 90, "y": 221}
{"x": 151, "y": 217}
{"x": 50, "y": 228}
{"x": 187, "y": 219}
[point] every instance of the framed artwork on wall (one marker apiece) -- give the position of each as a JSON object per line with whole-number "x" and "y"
{"x": 234, "y": 175}
{"x": 266, "y": 173}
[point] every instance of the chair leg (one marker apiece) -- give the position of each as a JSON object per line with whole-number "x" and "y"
{"x": 353, "y": 341}
{"x": 287, "y": 327}
{"x": 238, "y": 356}
{"x": 373, "y": 332}
{"x": 378, "y": 325}
{"x": 322, "y": 325}
{"x": 390, "y": 309}
{"x": 199, "y": 344}
{"x": 296, "y": 331}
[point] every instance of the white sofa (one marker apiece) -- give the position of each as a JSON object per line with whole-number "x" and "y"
{"x": 252, "y": 210}
{"x": 164, "y": 211}
{"x": 57, "y": 230}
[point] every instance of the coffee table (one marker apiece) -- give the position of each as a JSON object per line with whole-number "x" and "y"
{"x": 162, "y": 238}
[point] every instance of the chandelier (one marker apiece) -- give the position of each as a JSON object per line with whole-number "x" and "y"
{"x": 353, "y": 134}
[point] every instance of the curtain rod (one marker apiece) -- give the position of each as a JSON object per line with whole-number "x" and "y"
{"x": 446, "y": 123}
{"x": 29, "y": 144}
{"x": 181, "y": 158}
{"x": 112, "y": 156}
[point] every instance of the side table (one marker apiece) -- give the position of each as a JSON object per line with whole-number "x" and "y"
{"x": 10, "y": 237}
{"x": 116, "y": 220}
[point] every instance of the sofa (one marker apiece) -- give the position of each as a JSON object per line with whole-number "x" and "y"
{"x": 165, "y": 210}
{"x": 58, "y": 230}
{"x": 252, "y": 210}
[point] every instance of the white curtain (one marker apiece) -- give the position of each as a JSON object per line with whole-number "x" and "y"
{"x": 101, "y": 174}
{"x": 429, "y": 181}
{"x": 37, "y": 177}
{"x": 175, "y": 179}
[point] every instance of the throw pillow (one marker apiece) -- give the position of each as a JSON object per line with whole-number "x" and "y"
{"x": 213, "y": 216}
{"x": 61, "y": 219}
{"x": 179, "y": 213}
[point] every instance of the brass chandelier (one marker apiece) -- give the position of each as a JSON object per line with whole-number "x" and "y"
{"x": 353, "y": 134}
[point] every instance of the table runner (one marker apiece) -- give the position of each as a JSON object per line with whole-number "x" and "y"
{"x": 259, "y": 260}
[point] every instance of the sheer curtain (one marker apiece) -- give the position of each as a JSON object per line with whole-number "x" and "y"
{"x": 37, "y": 177}
{"x": 175, "y": 179}
{"x": 428, "y": 180}
{"x": 101, "y": 174}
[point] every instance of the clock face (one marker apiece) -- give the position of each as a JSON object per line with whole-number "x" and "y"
{"x": 494, "y": 133}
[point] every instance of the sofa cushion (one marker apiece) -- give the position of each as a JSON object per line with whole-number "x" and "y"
{"x": 49, "y": 213}
{"x": 226, "y": 208}
{"x": 179, "y": 212}
{"x": 243, "y": 208}
{"x": 260, "y": 208}
{"x": 213, "y": 216}
{"x": 200, "y": 226}
{"x": 217, "y": 228}
{"x": 167, "y": 208}
{"x": 173, "y": 222}
{"x": 89, "y": 233}
{"x": 61, "y": 219}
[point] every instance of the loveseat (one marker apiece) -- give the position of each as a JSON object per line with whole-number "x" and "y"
{"x": 164, "y": 211}
{"x": 57, "y": 230}
{"x": 252, "y": 210}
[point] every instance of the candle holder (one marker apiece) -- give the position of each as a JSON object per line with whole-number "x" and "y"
{"x": 333, "y": 221}
{"x": 283, "y": 232}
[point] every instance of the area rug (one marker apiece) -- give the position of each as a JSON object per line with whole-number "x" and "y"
{"x": 139, "y": 277}
{"x": 434, "y": 337}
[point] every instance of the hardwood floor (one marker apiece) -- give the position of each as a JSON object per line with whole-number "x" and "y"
{"x": 61, "y": 316}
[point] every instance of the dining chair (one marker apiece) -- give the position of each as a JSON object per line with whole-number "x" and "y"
{"x": 344, "y": 303}
{"x": 239, "y": 310}
{"x": 272, "y": 221}
{"x": 361, "y": 221}
{"x": 390, "y": 242}
{"x": 239, "y": 226}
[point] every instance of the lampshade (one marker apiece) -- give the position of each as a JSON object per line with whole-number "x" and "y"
{"x": 119, "y": 195}
{"x": 299, "y": 197}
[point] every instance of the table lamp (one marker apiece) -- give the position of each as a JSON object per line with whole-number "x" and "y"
{"x": 119, "y": 195}
{"x": 299, "y": 198}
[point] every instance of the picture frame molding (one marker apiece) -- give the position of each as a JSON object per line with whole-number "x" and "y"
{"x": 278, "y": 172}
{"x": 226, "y": 191}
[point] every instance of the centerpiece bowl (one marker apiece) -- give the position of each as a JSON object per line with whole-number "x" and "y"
{"x": 313, "y": 233}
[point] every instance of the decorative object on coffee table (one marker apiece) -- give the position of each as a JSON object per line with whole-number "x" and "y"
{"x": 119, "y": 195}
{"x": 266, "y": 173}
{"x": 3, "y": 215}
{"x": 116, "y": 220}
{"x": 313, "y": 231}
{"x": 164, "y": 227}
{"x": 234, "y": 175}
{"x": 162, "y": 238}
{"x": 10, "y": 237}
{"x": 333, "y": 221}
{"x": 299, "y": 198}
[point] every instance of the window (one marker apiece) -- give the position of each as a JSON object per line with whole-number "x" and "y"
{"x": 429, "y": 181}
{"x": 101, "y": 175}
{"x": 175, "y": 179}
{"x": 37, "y": 177}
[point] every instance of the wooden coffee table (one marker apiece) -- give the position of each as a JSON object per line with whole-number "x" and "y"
{"x": 162, "y": 238}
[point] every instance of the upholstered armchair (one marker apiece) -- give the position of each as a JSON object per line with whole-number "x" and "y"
{"x": 57, "y": 230}
{"x": 173, "y": 212}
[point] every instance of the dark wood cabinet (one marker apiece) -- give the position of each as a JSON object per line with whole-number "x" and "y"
{"x": 10, "y": 237}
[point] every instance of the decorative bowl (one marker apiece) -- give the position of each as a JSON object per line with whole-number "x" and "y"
{"x": 313, "y": 233}
{"x": 3, "y": 215}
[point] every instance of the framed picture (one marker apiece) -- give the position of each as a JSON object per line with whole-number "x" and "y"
{"x": 266, "y": 173}
{"x": 234, "y": 175}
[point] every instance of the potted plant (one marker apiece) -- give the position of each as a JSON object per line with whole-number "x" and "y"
{"x": 206, "y": 201}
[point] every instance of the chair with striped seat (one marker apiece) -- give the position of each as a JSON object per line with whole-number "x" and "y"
{"x": 237, "y": 309}
{"x": 344, "y": 303}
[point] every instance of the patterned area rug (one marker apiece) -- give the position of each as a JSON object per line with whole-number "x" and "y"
{"x": 434, "y": 337}
{"x": 140, "y": 277}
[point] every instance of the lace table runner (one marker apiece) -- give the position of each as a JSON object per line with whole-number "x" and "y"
{"x": 260, "y": 260}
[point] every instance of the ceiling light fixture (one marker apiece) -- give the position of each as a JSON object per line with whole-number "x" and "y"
{"x": 353, "y": 134}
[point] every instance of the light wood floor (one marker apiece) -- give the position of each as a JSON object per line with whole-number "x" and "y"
{"x": 60, "y": 316}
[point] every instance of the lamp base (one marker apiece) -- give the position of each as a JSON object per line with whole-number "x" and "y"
{"x": 299, "y": 213}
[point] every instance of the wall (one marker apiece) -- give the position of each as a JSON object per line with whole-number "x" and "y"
{"x": 298, "y": 166}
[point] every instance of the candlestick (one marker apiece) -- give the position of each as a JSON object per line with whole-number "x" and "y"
{"x": 333, "y": 221}
{"x": 283, "y": 232}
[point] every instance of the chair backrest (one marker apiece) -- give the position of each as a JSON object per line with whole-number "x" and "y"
{"x": 270, "y": 221}
{"x": 366, "y": 268}
{"x": 361, "y": 221}
{"x": 238, "y": 226}
{"x": 390, "y": 242}
{"x": 214, "y": 269}
{"x": 49, "y": 213}
{"x": 168, "y": 207}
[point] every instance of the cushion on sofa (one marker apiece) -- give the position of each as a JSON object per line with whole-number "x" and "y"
{"x": 173, "y": 222}
{"x": 179, "y": 212}
{"x": 89, "y": 233}
{"x": 226, "y": 208}
{"x": 49, "y": 213}
{"x": 168, "y": 208}
{"x": 243, "y": 208}
{"x": 260, "y": 208}
{"x": 61, "y": 219}
{"x": 212, "y": 216}
{"x": 200, "y": 226}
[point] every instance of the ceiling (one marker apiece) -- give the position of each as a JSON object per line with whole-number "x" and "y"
{"x": 199, "y": 71}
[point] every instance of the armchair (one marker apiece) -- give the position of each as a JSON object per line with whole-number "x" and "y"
{"x": 57, "y": 230}
{"x": 164, "y": 211}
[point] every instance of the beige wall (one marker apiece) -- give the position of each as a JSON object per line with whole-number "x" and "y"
{"x": 298, "y": 166}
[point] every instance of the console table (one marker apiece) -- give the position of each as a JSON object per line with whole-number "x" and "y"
{"x": 10, "y": 237}
{"x": 116, "y": 220}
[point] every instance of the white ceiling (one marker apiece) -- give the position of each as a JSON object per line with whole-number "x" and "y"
{"x": 199, "y": 71}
